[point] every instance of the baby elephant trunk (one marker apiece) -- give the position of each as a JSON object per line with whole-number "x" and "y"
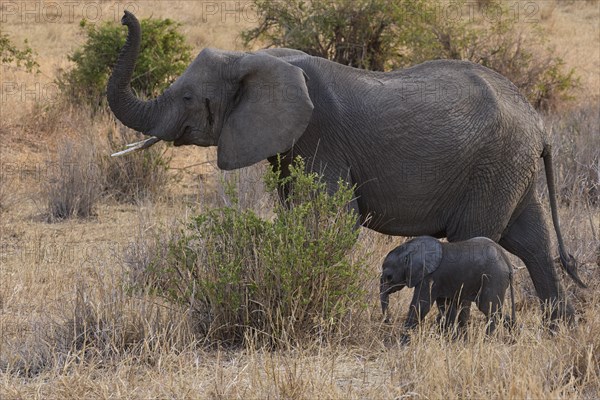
{"x": 384, "y": 298}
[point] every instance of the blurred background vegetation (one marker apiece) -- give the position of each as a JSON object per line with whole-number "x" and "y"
{"x": 382, "y": 35}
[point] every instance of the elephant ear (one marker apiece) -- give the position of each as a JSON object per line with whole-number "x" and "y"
{"x": 271, "y": 110}
{"x": 425, "y": 258}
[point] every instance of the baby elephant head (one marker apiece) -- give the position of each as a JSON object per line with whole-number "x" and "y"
{"x": 407, "y": 265}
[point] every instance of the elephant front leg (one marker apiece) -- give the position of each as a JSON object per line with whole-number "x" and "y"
{"x": 447, "y": 313}
{"x": 419, "y": 307}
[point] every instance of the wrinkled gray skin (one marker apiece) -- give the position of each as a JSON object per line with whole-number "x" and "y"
{"x": 453, "y": 275}
{"x": 445, "y": 148}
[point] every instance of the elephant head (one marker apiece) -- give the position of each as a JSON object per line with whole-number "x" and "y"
{"x": 408, "y": 265}
{"x": 252, "y": 106}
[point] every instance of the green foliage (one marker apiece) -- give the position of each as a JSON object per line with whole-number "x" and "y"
{"x": 384, "y": 35}
{"x": 270, "y": 280}
{"x": 352, "y": 32}
{"x": 10, "y": 54}
{"x": 164, "y": 55}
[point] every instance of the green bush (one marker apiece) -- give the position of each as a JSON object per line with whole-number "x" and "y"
{"x": 358, "y": 33}
{"x": 272, "y": 281}
{"x": 384, "y": 35}
{"x": 10, "y": 54}
{"x": 164, "y": 55}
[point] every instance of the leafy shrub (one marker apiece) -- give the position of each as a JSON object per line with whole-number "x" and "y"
{"x": 272, "y": 281}
{"x": 73, "y": 185}
{"x": 383, "y": 35}
{"x": 358, "y": 33}
{"x": 139, "y": 176}
{"x": 498, "y": 43}
{"x": 164, "y": 55}
{"x": 10, "y": 54}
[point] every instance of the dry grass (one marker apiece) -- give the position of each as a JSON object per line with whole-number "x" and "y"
{"x": 139, "y": 177}
{"x": 6, "y": 197}
{"x": 72, "y": 186}
{"x": 574, "y": 31}
{"x": 577, "y": 148}
{"x": 71, "y": 328}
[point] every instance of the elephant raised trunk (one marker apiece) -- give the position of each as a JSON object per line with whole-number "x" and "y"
{"x": 131, "y": 111}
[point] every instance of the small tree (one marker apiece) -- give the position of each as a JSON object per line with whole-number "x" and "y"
{"x": 164, "y": 55}
{"x": 358, "y": 33}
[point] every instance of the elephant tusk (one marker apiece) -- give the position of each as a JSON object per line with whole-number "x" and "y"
{"x": 141, "y": 145}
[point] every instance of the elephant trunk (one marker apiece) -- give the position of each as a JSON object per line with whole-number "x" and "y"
{"x": 131, "y": 111}
{"x": 384, "y": 299}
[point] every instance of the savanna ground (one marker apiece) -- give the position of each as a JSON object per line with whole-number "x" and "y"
{"x": 71, "y": 329}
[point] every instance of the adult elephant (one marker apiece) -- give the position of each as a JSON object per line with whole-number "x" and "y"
{"x": 445, "y": 148}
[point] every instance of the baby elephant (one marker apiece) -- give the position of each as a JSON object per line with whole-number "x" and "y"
{"x": 453, "y": 274}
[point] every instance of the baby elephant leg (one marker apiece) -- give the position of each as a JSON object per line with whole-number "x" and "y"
{"x": 491, "y": 306}
{"x": 509, "y": 324}
{"x": 453, "y": 316}
{"x": 447, "y": 313}
{"x": 464, "y": 313}
{"x": 419, "y": 307}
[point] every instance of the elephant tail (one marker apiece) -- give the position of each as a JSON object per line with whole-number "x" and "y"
{"x": 513, "y": 315}
{"x": 567, "y": 260}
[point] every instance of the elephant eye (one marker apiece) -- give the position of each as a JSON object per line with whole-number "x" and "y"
{"x": 187, "y": 97}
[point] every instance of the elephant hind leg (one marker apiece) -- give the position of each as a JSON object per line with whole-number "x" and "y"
{"x": 491, "y": 306}
{"x": 528, "y": 238}
{"x": 486, "y": 208}
{"x": 464, "y": 313}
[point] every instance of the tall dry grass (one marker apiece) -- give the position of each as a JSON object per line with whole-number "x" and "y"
{"x": 73, "y": 187}
{"x": 6, "y": 196}
{"x": 99, "y": 340}
{"x": 79, "y": 170}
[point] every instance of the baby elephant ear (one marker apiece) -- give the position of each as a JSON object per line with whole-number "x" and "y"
{"x": 426, "y": 255}
{"x": 270, "y": 112}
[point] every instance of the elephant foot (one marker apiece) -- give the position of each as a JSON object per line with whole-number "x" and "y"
{"x": 557, "y": 311}
{"x": 404, "y": 339}
{"x": 509, "y": 324}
